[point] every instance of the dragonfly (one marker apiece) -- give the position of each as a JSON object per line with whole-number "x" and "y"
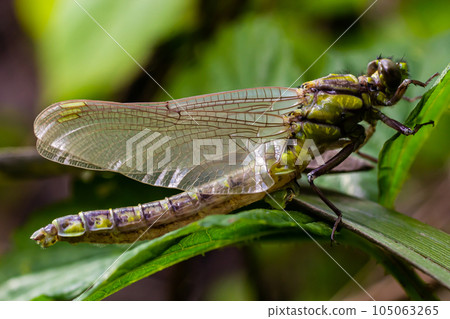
{"x": 224, "y": 150}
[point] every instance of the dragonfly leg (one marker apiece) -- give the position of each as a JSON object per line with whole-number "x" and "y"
{"x": 367, "y": 157}
{"x": 404, "y": 85}
{"x": 280, "y": 198}
{"x": 327, "y": 167}
{"x": 411, "y": 99}
{"x": 293, "y": 189}
{"x": 369, "y": 132}
{"x": 399, "y": 127}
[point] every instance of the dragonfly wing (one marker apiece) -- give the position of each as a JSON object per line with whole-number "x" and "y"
{"x": 182, "y": 143}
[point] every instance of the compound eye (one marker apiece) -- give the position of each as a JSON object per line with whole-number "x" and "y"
{"x": 390, "y": 74}
{"x": 372, "y": 67}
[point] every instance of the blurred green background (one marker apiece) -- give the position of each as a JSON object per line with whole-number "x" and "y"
{"x": 53, "y": 50}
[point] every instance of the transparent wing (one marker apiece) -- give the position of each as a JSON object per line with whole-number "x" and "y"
{"x": 182, "y": 143}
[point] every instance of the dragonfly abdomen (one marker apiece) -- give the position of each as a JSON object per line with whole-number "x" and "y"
{"x": 116, "y": 225}
{"x": 141, "y": 222}
{"x": 146, "y": 221}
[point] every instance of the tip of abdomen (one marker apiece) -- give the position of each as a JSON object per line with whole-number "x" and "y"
{"x": 46, "y": 236}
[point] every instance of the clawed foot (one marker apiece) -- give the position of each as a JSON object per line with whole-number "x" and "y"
{"x": 418, "y": 126}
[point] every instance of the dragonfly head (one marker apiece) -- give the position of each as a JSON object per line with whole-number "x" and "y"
{"x": 46, "y": 236}
{"x": 387, "y": 74}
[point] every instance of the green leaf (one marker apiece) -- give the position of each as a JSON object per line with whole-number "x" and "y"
{"x": 405, "y": 274}
{"x": 400, "y": 151}
{"x": 421, "y": 245}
